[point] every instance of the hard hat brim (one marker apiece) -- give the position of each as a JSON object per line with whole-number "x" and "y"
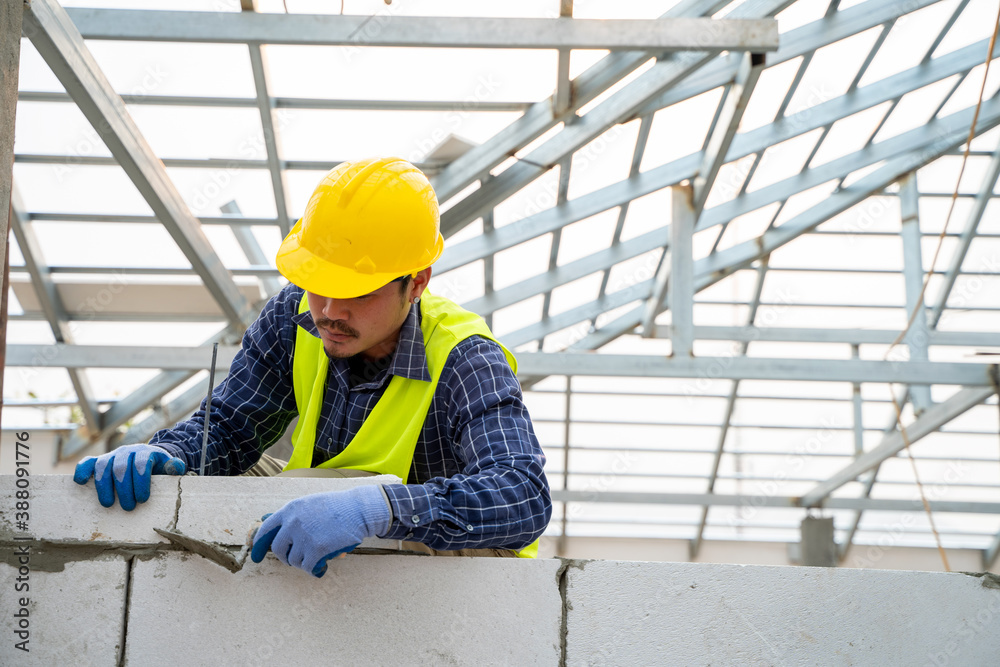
{"x": 319, "y": 276}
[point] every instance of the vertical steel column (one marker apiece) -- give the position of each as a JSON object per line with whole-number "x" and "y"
{"x": 11, "y": 12}
{"x": 488, "y": 267}
{"x": 563, "y": 97}
{"x": 681, "y": 272}
{"x": 561, "y": 547}
{"x": 913, "y": 275}
{"x": 859, "y": 427}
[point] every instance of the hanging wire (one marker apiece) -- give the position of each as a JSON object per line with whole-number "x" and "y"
{"x": 919, "y": 305}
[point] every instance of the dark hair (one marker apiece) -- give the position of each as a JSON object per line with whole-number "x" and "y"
{"x": 404, "y": 282}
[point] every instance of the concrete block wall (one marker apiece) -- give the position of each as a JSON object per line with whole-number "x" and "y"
{"x": 104, "y": 589}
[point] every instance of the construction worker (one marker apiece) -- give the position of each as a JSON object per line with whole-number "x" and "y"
{"x": 383, "y": 376}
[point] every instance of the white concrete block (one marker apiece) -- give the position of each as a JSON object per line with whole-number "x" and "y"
{"x": 75, "y": 611}
{"x": 63, "y": 511}
{"x": 223, "y": 509}
{"x": 367, "y": 609}
{"x": 696, "y": 614}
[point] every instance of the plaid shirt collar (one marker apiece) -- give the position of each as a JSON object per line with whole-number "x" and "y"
{"x": 410, "y": 358}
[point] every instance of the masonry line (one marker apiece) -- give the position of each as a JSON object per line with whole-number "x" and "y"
{"x": 562, "y": 577}
{"x": 127, "y": 610}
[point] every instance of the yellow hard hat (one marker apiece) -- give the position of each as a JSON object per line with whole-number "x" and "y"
{"x": 367, "y": 223}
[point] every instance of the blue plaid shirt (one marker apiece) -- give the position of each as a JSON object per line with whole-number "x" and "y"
{"x": 476, "y": 478}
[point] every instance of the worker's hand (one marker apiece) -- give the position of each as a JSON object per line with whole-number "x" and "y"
{"x": 311, "y": 530}
{"x": 126, "y": 471}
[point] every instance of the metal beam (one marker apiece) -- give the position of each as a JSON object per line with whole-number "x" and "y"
{"x": 968, "y": 233}
{"x": 123, "y": 410}
{"x": 681, "y": 275}
{"x": 932, "y": 420}
{"x": 270, "y": 285}
{"x": 620, "y": 107}
{"x": 845, "y": 336}
{"x": 167, "y": 415}
{"x": 991, "y": 552}
{"x": 429, "y": 167}
{"x": 751, "y": 368}
{"x": 258, "y": 63}
{"x": 763, "y": 500}
{"x": 119, "y": 356}
{"x": 52, "y": 306}
{"x": 532, "y": 363}
{"x": 63, "y": 49}
{"x": 913, "y": 277}
{"x": 796, "y": 43}
{"x": 541, "y": 116}
{"x": 567, "y": 273}
{"x": 925, "y": 144}
{"x": 678, "y": 34}
{"x": 941, "y": 136}
{"x": 735, "y": 103}
{"x": 142, "y": 219}
{"x": 799, "y": 42}
{"x": 11, "y": 14}
{"x": 645, "y": 124}
{"x": 755, "y": 141}
{"x": 563, "y": 97}
{"x": 140, "y": 399}
{"x": 10, "y": 55}
{"x": 296, "y": 103}
{"x": 562, "y": 194}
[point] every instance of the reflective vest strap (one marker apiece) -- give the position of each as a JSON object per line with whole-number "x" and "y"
{"x": 309, "y": 370}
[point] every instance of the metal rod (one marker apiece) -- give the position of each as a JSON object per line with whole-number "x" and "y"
{"x": 208, "y": 410}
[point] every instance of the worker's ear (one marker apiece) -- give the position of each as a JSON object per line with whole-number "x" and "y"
{"x": 419, "y": 283}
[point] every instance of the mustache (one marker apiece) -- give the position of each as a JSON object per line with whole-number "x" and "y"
{"x": 335, "y": 325}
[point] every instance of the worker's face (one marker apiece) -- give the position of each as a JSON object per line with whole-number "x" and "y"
{"x": 367, "y": 324}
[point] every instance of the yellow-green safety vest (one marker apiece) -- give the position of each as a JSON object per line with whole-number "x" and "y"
{"x": 388, "y": 437}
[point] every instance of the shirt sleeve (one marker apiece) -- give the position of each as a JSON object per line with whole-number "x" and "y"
{"x": 501, "y": 499}
{"x": 253, "y": 406}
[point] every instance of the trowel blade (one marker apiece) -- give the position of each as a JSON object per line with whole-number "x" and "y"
{"x": 212, "y": 552}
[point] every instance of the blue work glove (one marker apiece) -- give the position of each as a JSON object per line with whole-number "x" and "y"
{"x": 310, "y": 530}
{"x": 130, "y": 468}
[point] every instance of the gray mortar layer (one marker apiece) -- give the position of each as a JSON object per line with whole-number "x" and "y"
{"x": 51, "y": 557}
{"x": 562, "y": 580}
{"x": 990, "y": 580}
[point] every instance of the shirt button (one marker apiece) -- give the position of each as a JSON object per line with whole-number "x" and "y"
{"x": 329, "y": 441}
{"x": 469, "y": 528}
{"x": 415, "y": 519}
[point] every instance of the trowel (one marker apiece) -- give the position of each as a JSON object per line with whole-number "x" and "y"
{"x": 213, "y": 552}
